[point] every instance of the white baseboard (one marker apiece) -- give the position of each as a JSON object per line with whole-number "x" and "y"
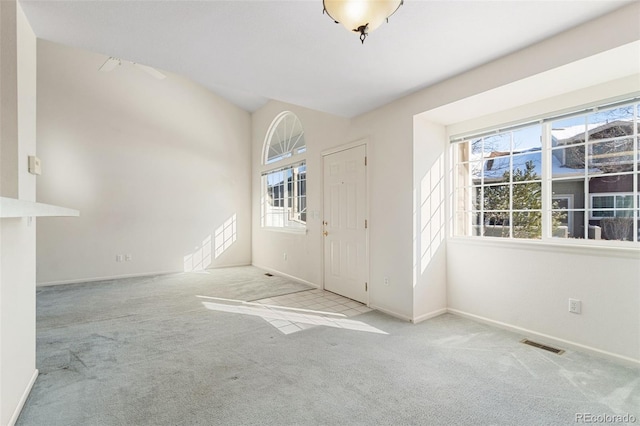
{"x": 23, "y": 399}
{"x": 118, "y": 277}
{"x": 429, "y": 315}
{"x": 229, "y": 265}
{"x": 105, "y": 278}
{"x": 390, "y": 312}
{"x": 550, "y": 340}
{"x": 282, "y": 274}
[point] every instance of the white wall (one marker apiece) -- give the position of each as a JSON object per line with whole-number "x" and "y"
{"x": 17, "y": 236}
{"x": 155, "y": 167}
{"x": 431, "y": 172}
{"x": 402, "y": 150}
{"x": 304, "y": 250}
{"x": 390, "y": 134}
{"x": 390, "y": 219}
{"x": 526, "y": 286}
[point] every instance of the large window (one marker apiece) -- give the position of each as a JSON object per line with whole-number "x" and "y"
{"x": 284, "y": 178}
{"x": 572, "y": 177}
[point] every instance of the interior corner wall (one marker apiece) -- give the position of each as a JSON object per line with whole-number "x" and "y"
{"x": 389, "y": 150}
{"x": 389, "y": 131}
{"x": 17, "y": 235}
{"x": 155, "y": 167}
{"x": 393, "y": 151}
{"x": 526, "y": 286}
{"x": 304, "y": 250}
{"x": 431, "y": 223}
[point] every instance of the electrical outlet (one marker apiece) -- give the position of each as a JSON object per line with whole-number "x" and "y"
{"x": 575, "y": 306}
{"x": 386, "y": 280}
{"x": 127, "y": 257}
{"x": 118, "y": 258}
{"x": 284, "y": 256}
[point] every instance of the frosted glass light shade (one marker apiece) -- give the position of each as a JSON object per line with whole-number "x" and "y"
{"x": 354, "y": 14}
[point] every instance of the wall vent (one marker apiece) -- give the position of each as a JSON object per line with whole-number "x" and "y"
{"x": 541, "y": 346}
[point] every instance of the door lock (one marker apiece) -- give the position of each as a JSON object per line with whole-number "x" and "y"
{"x": 325, "y": 233}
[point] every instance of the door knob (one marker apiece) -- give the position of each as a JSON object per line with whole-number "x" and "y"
{"x": 325, "y": 233}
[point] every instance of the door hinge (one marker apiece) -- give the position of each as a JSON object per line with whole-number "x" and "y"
{"x": 366, "y": 287}
{"x": 366, "y": 224}
{"x": 365, "y": 161}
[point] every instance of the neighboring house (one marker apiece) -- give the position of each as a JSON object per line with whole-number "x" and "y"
{"x": 285, "y": 185}
{"x": 607, "y": 168}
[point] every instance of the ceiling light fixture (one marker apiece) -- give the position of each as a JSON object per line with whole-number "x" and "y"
{"x": 361, "y": 16}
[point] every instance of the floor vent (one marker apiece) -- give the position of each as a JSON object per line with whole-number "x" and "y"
{"x": 541, "y": 346}
{"x": 268, "y": 274}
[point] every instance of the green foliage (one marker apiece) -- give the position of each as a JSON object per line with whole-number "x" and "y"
{"x": 524, "y": 196}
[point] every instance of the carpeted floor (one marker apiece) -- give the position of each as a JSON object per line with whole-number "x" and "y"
{"x": 148, "y": 351}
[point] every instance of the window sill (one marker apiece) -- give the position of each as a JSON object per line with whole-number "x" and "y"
{"x": 578, "y": 247}
{"x": 298, "y": 231}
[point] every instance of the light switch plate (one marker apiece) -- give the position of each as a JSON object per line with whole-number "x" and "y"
{"x": 34, "y": 165}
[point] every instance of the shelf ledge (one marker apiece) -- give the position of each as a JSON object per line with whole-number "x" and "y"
{"x": 11, "y": 207}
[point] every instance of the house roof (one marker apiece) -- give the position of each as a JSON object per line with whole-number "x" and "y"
{"x": 495, "y": 167}
{"x": 575, "y": 134}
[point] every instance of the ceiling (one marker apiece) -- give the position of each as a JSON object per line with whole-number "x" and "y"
{"x": 252, "y": 51}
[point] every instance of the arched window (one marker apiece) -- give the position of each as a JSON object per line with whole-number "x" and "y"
{"x": 284, "y": 177}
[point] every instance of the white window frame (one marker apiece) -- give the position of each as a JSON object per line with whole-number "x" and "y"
{"x": 547, "y": 195}
{"x": 614, "y": 209}
{"x": 569, "y": 198}
{"x": 289, "y": 160}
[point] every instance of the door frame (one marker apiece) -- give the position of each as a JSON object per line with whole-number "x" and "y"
{"x": 569, "y": 198}
{"x": 359, "y": 142}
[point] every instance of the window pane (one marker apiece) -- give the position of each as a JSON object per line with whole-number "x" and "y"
{"x": 468, "y": 223}
{"x": 286, "y": 137}
{"x": 527, "y": 139}
{"x": 500, "y": 143}
{"x": 527, "y": 167}
{"x": 624, "y": 201}
{"x": 561, "y": 223}
{"x": 617, "y": 228}
{"x": 476, "y": 197}
{"x": 285, "y": 199}
{"x": 496, "y": 197}
{"x": 496, "y": 224}
{"x": 624, "y": 213}
{"x": 610, "y": 123}
{"x": 613, "y": 156}
{"x": 527, "y": 196}
{"x": 601, "y": 202}
{"x": 301, "y": 193}
{"x": 611, "y": 184}
{"x": 527, "y": 224}
{"x": 567, "y": 223}
{"x": 593, "y": 182}
{"x": 475, "y": 148}
{"x": 569, "y": 189}
{"x": 568, "y": 131}
{"x": 496, "y": 169}
{"x": 468, "y": 172}
{"x": 602, "y": 213}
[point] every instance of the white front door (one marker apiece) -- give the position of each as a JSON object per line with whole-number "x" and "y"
{"x": 344, "y": 225}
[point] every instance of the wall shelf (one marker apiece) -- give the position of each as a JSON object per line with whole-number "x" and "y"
{"x": 12, "y": 207}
